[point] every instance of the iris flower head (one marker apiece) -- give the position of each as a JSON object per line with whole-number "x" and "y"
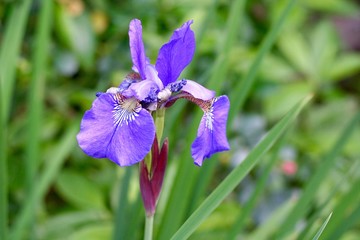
{"x": 119, "y": 125}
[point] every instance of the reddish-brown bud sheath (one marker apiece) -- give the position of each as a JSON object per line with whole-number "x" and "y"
{"x": 151, "y": 183}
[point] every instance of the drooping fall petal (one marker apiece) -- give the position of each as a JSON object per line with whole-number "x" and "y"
{"x": 211, "y": 135}
{"x": 116, "y": 128}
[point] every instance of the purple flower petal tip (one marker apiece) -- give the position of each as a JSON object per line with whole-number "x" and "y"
{"x": 137, "y": 48}
{"x": 211, "y": 137}
{"x": 175, "y": 55}
{"x": 198, "y": 91}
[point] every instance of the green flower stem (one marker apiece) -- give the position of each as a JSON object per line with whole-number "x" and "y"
{"x": 149, "y": 222}
{"x": 159, "y": 123}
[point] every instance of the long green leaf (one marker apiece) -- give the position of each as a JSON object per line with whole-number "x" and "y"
{"x": 52, "y": 167}
{"x": 233, "y": 179}
{"x": 318, "y": 234}
{"x": 313, "y": 184}
{"x": 14, "y": 32}
{"x": 344, "y": 205}
{"x": 37, "y": 88}
{"x": 254, "y": 198}
{"x": 244, "y": 87}
{"x": 339, "y": 210}
{"x": 121, "y": 212}
{"x": 350, "y": 221}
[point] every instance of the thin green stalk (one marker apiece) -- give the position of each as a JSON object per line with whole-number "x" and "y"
{"x": 36, "y": 95}
{"x": 315, "y": 181}
{"x": 350, "y": 221}
{"x": 259, "y": 189}
{"x": 339, "y": 209}
{"x": 3, "y": 174}
{"x": 149, "y": 225}
{"x": 37, "y": 86}
{"x": 318, "y": 234}
{"x": 123, "y": 204}
{"x": 237, "y": 100}
{"x": 346, "y": 203}
{"x": 9, "y": 52}
{"x": 51, "y": 170}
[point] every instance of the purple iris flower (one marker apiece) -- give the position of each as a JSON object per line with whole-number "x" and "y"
{"x": 119, "y": 125}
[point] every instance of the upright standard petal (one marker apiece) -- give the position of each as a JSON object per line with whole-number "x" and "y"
{"x": 175, "y": 55}
{"x": 116, "y": 128}
{"x": 137, "y": 48}
{"x": 211, "y": 136}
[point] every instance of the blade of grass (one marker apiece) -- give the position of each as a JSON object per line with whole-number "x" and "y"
{"x": 14, "y": 32}
{"x": 237, "y": 100}
{"x": 343, "y": 181}
{"x": 121, "y": 216}
{"x": 221, "y": 64}
{"x": 318, "y": 234}
{"x": 353, "y": 219}
{"x": 254, "y": 198}
{"x": 267, "y": 228}
{"x": 51, "y": 169}
{"x": 136, "y": 219}
{"x": 35, "y": 97}
{"x": 3, "y": 173}
{"x": 309, "y": 192}
{"x": 345, "y": 204}
{"x": 36, "y": 94}
{"x": 233, "y": 179}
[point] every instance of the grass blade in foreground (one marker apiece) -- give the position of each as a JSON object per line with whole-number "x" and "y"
{"x": 242, "y": 89}
{"x": 233, "y": 179}
{"x": 36, "y": 95}
{"x": 9, "y": 52}
{"x": 301, "y": 208}
{"x": 316, "y": 237}
{"x": 254, "y": 198}
{"x": 51, "y": 169}
{"x": 123, "y": 204}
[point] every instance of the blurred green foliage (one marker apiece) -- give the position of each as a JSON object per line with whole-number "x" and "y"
{"x": 55, "y": 55}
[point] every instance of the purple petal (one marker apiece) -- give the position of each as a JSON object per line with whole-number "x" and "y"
{"x": 152, "y": 74}
{"x": 175, "y": 55}
{"x": 198, "y": 91}
{"x": 109, "y": 131}
{"x": 211, "y": 136}
{"x": 141, "y": 90}
{"x": 137, "y": 47}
